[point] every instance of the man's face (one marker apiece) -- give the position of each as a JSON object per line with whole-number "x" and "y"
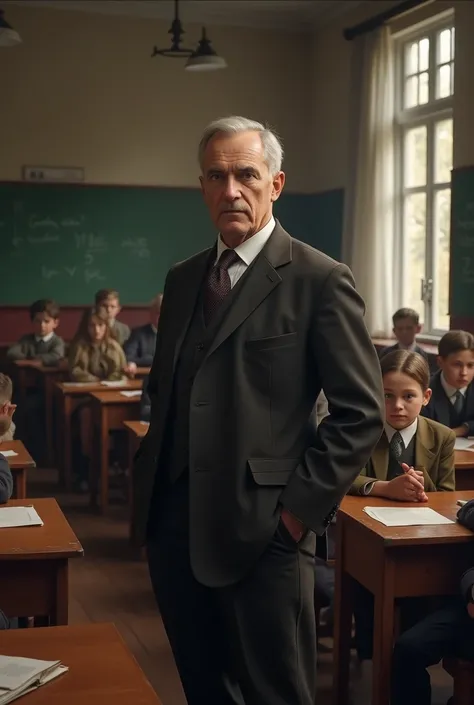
{"x": 237, "y": 186}
{"x": 406, "y": 330}
{"x": 458, "y": 368}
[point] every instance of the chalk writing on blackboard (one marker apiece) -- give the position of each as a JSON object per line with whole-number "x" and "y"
{"x": 72, "y": 222}
{"x": 91, "y": 241}
{"x": 43, "y": 239}
{"x": 138, "y": 247}
{"x": 48, "y": 273}
{"x": 70, "y": 270}
{"x": 36, "y": 221}
{"x": 93, "y": 275}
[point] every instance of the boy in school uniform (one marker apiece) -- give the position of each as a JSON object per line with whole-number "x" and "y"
{"x": 108, "y": 299}
{"x": 406, "y": 326}
{"x": 446, "y": 632}
{"x": 7, "y": 409}
{"x": 140, "y": 347}
{"x": 6, "y": 480}
{"x": 42, "y": 344}
{"x": 452, "y": 399}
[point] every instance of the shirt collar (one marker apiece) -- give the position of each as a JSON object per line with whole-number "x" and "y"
{"x": 45, "y": 339}
{"x": 406, "y": 433}
{"x": 451, "y": 391}
{"x": 409, "y": 348}
{"x": 250, "y": 248}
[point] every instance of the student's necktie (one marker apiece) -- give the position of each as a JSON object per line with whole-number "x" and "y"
{"x": 218, "y": 283}
{"x": 40, "y": 346}
{"x": 458, "y": 402}
{"x": 397, "y": 445}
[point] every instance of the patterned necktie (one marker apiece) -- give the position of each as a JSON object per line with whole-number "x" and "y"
{"x": 458, "y": 402}
{"x": 397, "y": 445}
{"x": 218, "y": 284}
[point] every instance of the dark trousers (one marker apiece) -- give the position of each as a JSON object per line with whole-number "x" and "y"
{"x": 251, "y": 643}
{"x": 447, "y": 632}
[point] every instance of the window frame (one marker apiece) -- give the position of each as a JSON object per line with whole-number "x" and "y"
{"x": 436, "y": 110}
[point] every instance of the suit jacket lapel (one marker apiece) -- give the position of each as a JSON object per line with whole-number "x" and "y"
{"x": 442, "y": 402}
{"x": 260, "y": 280}
{"x": 379, "y": 458}
{"x": 424, "y": 456}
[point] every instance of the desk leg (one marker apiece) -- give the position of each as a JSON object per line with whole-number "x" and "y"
{"x": 20, "y": 481}
{"x": 384, "y": 622}
{"x": 67, "y": 440}
{"x": 48, "y": 400}
{"x": 104, "y": 458}
{"x": 131, "y": 453}
{"x": 342, "y": 619}
{"x": 22, "y": 384}
{"x": 59, "y": 614}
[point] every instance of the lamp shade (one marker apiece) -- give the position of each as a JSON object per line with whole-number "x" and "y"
{"x": 8, "y": 36}
{"x": 205, "y": 58}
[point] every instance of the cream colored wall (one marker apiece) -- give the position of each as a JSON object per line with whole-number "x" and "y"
{"x": 82, "y": 90}
{"x": 331, "y": 60}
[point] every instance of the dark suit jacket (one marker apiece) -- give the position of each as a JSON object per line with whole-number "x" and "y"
{"x": 439, "y": 406}
{"x": 434, "y": 453}
{"x": 145, "y": 401}
{"x": 140, "y": 347}
{"x": 296, "y": 326}
{"x": 391, "y": 348}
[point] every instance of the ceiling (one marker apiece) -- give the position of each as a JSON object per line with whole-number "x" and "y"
{"x": 295, "y": 15}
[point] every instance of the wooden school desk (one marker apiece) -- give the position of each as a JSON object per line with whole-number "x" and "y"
{"x": 137, "y": 430}
{"x": 32, "y": 373}
{"x": 102, "y": 671}
{"x": 68, "y": 396}
{"x": 464, "y": 463}
{"x": 34, "y": 564}
{"x": 392, "y": 562}
{"x": 19, "y": 464}
{"x": 109, "y": 411}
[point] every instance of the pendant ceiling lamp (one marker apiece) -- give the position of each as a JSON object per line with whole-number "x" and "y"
{"x": 203, "y": 58}
{"x": 8, "y": 36}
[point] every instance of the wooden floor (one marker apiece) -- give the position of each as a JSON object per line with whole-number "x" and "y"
{"x": 111, "y": 585}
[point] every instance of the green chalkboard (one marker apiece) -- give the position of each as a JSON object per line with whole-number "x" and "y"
{"x": 67, "y": 241}
{"x": 462, "y": 242}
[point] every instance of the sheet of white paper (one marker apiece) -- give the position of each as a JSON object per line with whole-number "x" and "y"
{"x": 15, "y": 671}
{"x": 464, "y": 444}
{"x": 109, "y": 383}
{"x": 11, "y": 517}
{"x": 406, "y": 516}
{"x": 8, "y": 453}
{"x": 132, "y": 393}
{"x": 76, "y": 384}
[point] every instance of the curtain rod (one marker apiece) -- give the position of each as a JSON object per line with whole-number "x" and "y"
{"x": 378, "y": 20}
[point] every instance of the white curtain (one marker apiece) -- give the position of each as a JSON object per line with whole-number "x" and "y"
{"x": 368, "y": 241}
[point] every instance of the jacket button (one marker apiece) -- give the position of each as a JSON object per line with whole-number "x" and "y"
{"x": 200, "y": 346}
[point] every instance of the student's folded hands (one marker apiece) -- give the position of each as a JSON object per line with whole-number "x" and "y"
{"x": 408, "y": 487}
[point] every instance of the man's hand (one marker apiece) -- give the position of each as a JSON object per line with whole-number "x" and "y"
{"x": 461, "y": 431}
{"x": 130, "y": 369}
{"x": 293, "y": 525}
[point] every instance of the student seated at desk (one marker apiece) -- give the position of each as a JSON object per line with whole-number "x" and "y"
{"x": 414, "y": 456}
{"x": 446, "y": 632}
{"x": 452, "y": 401}
{"x": 43, "y": 344}
{"x": 7, "y": 409}
{"x": 108, "y": 299}
{"x": 140, "y": 347}
{"x": 95, "y": 355}
{"x": 6, "y": 480}
{"x": 406, "y": 326}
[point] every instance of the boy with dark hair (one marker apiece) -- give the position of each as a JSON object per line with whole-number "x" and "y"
{"x": 406, "y": 326}
{"x": 43, "y": 344}
{"x": 452, "y": 400}
{"x": 108, "y": 300}
{"x": 7, "y": 409}
{"x": 140, "y": 347}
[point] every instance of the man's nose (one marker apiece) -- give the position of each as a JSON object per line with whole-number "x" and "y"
{"x": 232, "y": 191}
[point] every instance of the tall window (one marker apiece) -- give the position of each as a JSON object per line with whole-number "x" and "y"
{"x": 424, "y": 117}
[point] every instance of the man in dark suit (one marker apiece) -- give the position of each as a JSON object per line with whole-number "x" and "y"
{"x": 139, "y": 349}
{"x": 233, "y": 481}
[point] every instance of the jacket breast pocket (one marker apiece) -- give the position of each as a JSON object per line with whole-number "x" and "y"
{"x": 272, "y": 343}
{"x": 272, "y": 471}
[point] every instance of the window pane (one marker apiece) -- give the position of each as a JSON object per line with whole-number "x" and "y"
{"x": 411, "y": 58}
{"x": 444, "y": 81}
{"x": 442, "y": 211}
{"x": 415, "y": 157}
{"x": 444, "y": 46}
{"x": 452, "y": 43}
{"x": 443, "y": 157}
{"x": 423, "y": 88}
{"x": 424, "y": 48}
{"x": 411, "y": 92}
{"x": 414, "y": 250}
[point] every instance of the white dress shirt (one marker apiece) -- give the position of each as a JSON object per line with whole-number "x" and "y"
{"x": 247, "y": 251}
{"x": 406, "y": 433}
{"x": 45, "y": 339}
{"x": 451, "y": 391}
